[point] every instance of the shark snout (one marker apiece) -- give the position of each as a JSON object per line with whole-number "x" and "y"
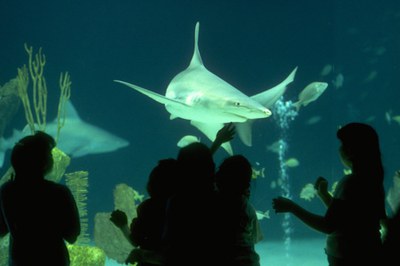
{"x": 260, "y": 112}
{"x": 267, "y": 112}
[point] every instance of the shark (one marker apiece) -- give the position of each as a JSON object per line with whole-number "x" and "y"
{"x": 77, "y": 138}
{"x": 208, "y": 102}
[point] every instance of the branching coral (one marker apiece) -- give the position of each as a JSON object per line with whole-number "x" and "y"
{"x": 65, "y": 94}
{"x": 34, "y": 70}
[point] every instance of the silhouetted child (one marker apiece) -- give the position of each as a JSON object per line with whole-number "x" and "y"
{"x": 144, "y": 231}
{"x": 39, "y": 214}
{"x": 352, "y": 220}
{"x": 194, "y": 221}
{"x": 241, "y": 228}
{"x": 147, "y": 228}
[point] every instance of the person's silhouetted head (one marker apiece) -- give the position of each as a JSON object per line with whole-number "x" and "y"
{"x": 360, "y": 147}
{"x": 359, "y": 140}
{"x": 234, "y": 175}
{"x": 196, "y": 165}
{"x": 162, "y": 179}
{"x": 31, "y": 156}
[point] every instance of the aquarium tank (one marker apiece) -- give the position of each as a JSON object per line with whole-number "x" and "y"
{"x": 122, "y": 84}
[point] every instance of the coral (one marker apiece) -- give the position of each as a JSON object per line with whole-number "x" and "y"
{"x": 393, "y": 194}
{"x": 106, "y": 235}
{"x": 124, "y": 200}
{"x": 9, "y": 103}
{"x": 39, "y": 88}
{"x": 78, "y": 184}
{"x": 65, "y": 94}
{"x": 4, "y": 242}
{"x": 86, "y": 255}
{"x": 110, "y": 238}
{"x": 34, "y": 73}
{"x": 61, "y": 162}
{"x": 7, "y": 175}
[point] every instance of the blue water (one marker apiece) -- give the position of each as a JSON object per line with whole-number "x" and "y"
{"x": 253, "y": 45}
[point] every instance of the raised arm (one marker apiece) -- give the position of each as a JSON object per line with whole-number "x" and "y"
{"x": 317, "y": 222}
{"x": 225, "y": 134}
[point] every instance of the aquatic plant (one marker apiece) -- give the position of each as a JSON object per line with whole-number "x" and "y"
{"x": 4, "y": 243}
{"x": 78, "y": 184}
{"x": 80, "y": 253}
{"x": 61, "y": 162}
{"x": 9, "y": 103}
{"x": 65, "y": 94}
{"x": 36, "y": 65}
{"x": 34, "y": 72}
{"x": 86, "y": 255}
{"x": 109, "y": 237}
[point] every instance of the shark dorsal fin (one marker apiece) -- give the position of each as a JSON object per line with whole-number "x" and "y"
{"x": 71, "y": 112}
{"x": 196, "y": 58}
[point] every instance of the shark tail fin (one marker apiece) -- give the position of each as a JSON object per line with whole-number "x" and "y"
{"x": 297, "y": 105}
{"x": 6, "y": 144}
{"x": 269, "y": 97}
{"x": 196, "y": 58}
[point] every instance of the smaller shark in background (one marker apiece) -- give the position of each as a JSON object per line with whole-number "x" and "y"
{"x": 77, "y": 138}
{"x": 198, "y": 95}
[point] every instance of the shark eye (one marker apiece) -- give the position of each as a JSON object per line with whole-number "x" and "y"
{"x": 236, "y": 103}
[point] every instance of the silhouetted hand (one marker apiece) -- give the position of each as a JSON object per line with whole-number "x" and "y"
{"x": 119, "y": 218}
{"x": 321, "y": 186}
{"x": 226, "y": 133}
{"x": 282, "y": 204}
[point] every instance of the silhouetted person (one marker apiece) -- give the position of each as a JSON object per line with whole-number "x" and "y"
{"x": 241, "y": 229}
{"x": 147, "y": 228}
{"x": 352, "y": 220}
{"x": 39, "y": 214}
{"x": 193, "y": 224}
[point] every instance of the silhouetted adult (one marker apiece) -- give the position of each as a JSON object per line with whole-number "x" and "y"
{"x": 352, "y": 220}
{"x": 146, "y": 230}
{"x": 241, "y": 229}
{"x": 192, "y": 234}
{"x": 39, "y": 214}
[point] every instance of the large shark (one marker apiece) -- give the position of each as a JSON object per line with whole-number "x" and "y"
{"x": 208, "y": 101}
{"x": 77, "y": 138}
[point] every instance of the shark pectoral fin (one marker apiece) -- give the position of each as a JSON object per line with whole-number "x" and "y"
{"x": 211, "y": 130}
{"x": 155, "y": 96}
{"x": 269, "y": 97}
{"x": 244, "y": 131}
{"x": 227, "y": 146}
